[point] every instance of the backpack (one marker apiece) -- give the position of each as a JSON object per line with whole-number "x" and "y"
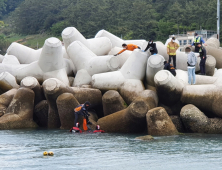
{"x": 78, "y": 108}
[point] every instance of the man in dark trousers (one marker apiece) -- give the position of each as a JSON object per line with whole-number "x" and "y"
{"x": 203, "y": 58}
{"x": 197, "y": 40}
{"x": 83, "y": 111}
{"x": 169, "y": 67}
{"x": 152, "y": 46}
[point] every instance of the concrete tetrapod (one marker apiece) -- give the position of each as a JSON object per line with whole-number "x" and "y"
{"x": 19, "y": 114}
{"x": 66, "y": 103}
{"x": 216, "y": 53}
{"x": 155, "y": 63}
{"x": 130, "y": 120}
{"x": 112, "y": 102}
{"x": 41, "y": 113}
{"x": 159, "y": 123}
{"x": 1, "y": 58}
{"x": 213, "y": 42}
{"x": 83, "y": 58}
{"x": 7, "y": 82}
{"x": 99, "y": 46}
{"x": 10, "y": 59}
{"x": 50, "y": 65}
{"x": 94, "y": 96}
{"x": 24, "y": 54}
{"x": 196, "y": 121}
{"x": 169, "y": 88}
{"x": 52, "y": 89}
{"x": 33, "y": 84}
{"x": 117, "y": 42}
{"x": 122, "y": 57}
{"x": 133, "y": 68}
{"x": 5, "y": 100}
{"x": 205, "y": 97}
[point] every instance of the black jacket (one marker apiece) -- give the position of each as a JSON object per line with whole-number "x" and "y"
{"x": 152, "y": 47}
{"x": 202, "y": 52}
{"x": 170, "y": 68}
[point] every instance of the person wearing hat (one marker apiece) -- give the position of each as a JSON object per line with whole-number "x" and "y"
{"x": 191, "y": 63}
{"x": 197, "y": 40}
{"x": 129, "y": 47}
{"x": 169, "y": 67}
{"x": 76, "y": 129}
{"x": 152, "y": 46}
{"x": 83, "y": 111}
{"x": 171, "y": 51}
{"x": 98, "y": 130}
{"x": 203, "y": 58}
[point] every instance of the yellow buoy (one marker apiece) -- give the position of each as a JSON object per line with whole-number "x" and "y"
{"x": 50, "y": 153}
{"x": 45, "y": 153}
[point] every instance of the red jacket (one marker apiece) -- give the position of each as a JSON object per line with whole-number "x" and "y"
{"x": 129, "y": 47}
{"x": 98, "y": 131}
{"x": 76, "y": 129}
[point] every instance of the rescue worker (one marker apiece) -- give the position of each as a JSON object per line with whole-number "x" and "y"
{"x": 83, "y": 111}
{"x": 191, "y": 63}
{"x": 152, "y": 46}
{"x": 129, "y": 47}
{"x": 197, "y": 40}
{"x": 98, "y": 130}
{"x": 76, "y": 129}
{"x": 169, "y": 67}
{"x": 203, "y": 58}
{"x": 171, "y": 51}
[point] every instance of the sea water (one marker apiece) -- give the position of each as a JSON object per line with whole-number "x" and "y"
{"x": 23, "y": 149}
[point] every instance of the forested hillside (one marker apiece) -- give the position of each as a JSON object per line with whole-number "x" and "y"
{"x": 131, "y": 19}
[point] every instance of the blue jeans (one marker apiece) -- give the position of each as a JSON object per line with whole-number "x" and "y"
{"x": 191, "y": 73}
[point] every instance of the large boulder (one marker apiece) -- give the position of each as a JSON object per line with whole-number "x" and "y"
{"x": 112, "y": 102}
{"x": 130, "y": 120}
{"x": 41, "y": 113}
{"x": 66, "y": 103}
{"x": 159, "y": 123}
{"x": 19, "y": 114}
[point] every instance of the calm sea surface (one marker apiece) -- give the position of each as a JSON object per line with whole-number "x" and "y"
{"x": 23, "y": 149}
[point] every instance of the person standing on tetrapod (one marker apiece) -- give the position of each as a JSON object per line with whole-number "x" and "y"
{"x": 197, "y": 40}
{"x": 203, "y": 58}
{"x": 171, "y": 51}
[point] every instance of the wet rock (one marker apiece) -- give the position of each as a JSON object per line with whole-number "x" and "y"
{"x": 66, "y": 103}
{"x": 41, "y": 113}
{"x": 19, "y": 114}
{"x": 33, "y": 84}
{"x": 194, "y": 120}
{"x": 145, "y": 138}
{"x": 178, "y": 123}
{"x": 112, "y": 102}
{"x": 131, "y": 89}
{"x": 5, "y": 100}
{"x": 52, "y": 89}
{"x": 159, "y": 123}
{"x": 130, "y": 120}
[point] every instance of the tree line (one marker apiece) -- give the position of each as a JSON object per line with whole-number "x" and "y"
{"x": 129, "y": 19}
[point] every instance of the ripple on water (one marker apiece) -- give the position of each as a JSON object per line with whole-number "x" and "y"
{"x": 23, "y": 149}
